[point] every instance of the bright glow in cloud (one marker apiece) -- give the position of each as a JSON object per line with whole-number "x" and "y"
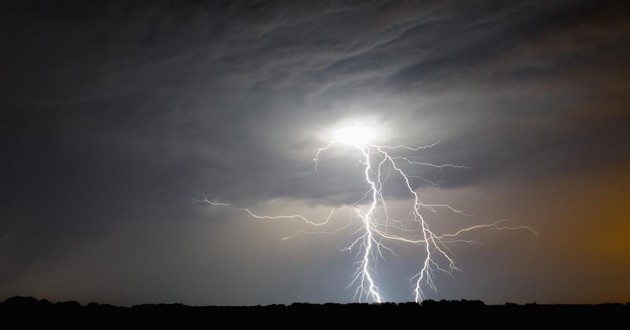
{"x": 355, "y": 135}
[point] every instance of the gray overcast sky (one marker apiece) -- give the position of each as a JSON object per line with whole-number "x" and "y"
{"x": 115, "y": 115}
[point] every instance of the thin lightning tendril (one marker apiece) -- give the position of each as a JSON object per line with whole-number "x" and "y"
{"x": 377, "y": 227}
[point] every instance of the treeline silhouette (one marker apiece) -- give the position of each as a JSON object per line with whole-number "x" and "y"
{"x": 30, "y": 313}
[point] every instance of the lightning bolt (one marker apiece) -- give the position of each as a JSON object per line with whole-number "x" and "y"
{"x": 377, "y": 227}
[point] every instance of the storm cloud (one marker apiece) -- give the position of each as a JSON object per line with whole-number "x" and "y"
{"x": 115, "y": 115}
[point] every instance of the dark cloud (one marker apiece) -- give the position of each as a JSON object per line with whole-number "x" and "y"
{"x": 113, "y": 115}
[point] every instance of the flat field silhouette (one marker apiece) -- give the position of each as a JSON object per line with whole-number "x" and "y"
{"x": 31, "y": 313}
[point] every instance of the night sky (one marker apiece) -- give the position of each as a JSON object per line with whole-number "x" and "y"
{"x": 116, "y": 115}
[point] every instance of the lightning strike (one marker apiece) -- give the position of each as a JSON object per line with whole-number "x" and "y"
{"x": 377, "y": 227}
{"x": 207, "y": 201}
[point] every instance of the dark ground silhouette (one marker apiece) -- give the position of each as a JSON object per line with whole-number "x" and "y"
{"x": 30, "y": 313}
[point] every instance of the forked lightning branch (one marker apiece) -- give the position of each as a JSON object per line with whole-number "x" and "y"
{"x": 378, "y": 164}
